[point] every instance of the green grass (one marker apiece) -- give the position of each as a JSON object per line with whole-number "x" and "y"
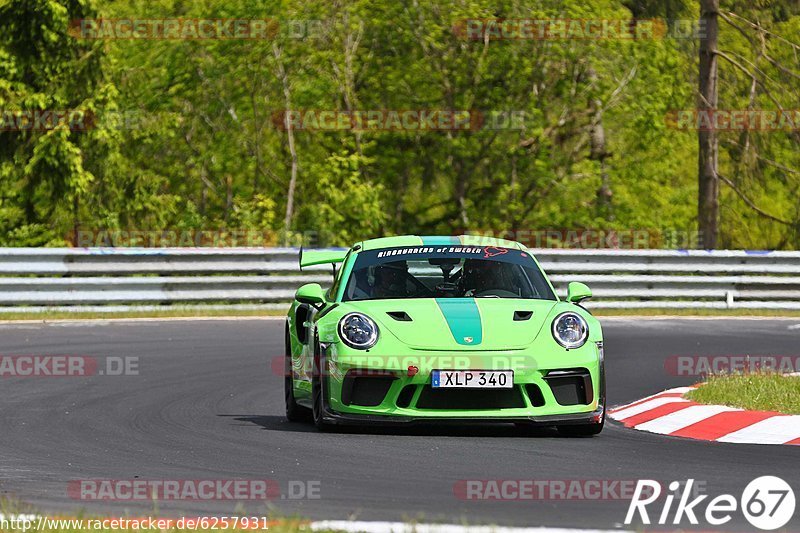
{"x": 58, "y": 522}
{"x": 757, "y": 392}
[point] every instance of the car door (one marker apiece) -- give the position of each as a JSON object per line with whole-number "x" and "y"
{"x": 310, "y": 325}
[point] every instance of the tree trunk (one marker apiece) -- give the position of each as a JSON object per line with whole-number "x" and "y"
{"x": 287, "y": 96}
{"x": 708, "y": 144}
{"x": 598, "y": 152}
{"x": 228, "y": 197}
{"x": 462, "y": 184}
{"x": 204, "y": 193}
{"x": 76, "y": 225}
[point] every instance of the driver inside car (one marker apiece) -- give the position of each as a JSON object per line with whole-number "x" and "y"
{"x": 390, "y": 280}
{"x": 479, "y": 276}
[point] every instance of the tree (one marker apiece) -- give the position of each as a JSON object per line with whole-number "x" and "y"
{"x": 44, "y": 70}
{"x": 708, "y": 146}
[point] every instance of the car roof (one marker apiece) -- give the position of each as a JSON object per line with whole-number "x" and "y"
{"x": 437, "y": 240}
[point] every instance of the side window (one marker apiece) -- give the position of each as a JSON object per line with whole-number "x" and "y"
{"x": 338, "y": 280}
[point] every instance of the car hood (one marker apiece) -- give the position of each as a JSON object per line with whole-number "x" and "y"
{"x": 461, "y": 324}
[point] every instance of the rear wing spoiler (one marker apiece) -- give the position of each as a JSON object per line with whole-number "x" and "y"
{"x": 321, "y": 257}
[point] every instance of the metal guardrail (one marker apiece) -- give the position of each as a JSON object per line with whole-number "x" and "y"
{"x": 119, "y": 279}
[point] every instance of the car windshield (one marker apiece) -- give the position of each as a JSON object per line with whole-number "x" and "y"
{"x": 446, "y": 272}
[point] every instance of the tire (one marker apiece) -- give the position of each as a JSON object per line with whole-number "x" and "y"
{"x": 294, "y": 411}
{"x": 317, "y": 391}
{"x": 582, "y": 430}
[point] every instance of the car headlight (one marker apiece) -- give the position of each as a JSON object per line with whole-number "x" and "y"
{"x": 358, "y": 331}
{"x": 570, "y": 330}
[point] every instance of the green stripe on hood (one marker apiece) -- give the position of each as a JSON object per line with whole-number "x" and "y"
{"x": 442, "y": 240}
{"x": 463, "y": 318}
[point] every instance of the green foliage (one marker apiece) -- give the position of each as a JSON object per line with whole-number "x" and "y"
{"x": 254, "y": 213}
{"x": 348, "y": 205}
{"x": 186, "y": 136}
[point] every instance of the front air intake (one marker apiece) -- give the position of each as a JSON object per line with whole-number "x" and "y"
{"x": 364, "y": 389}
{"x": 469, "y": 399}
{"x": 571, "y": 386}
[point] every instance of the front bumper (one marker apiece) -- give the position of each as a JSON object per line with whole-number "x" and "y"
{"x": 344, "y": 419}
{"x": 536, "y": 398}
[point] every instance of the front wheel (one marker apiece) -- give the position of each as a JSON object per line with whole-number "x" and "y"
{"x": 317, "y": 391}
{"x": 580, "y": 430}
{"x": 294, "y": 411}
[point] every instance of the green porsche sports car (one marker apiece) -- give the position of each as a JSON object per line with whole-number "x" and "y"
{"x": 465, "y": 328}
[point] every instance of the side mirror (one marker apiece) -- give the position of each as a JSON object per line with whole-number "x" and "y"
{"x": 310, "y": 293}
{"x": 577, "y": 292}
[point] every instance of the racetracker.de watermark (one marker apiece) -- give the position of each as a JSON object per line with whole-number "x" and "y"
{"x": 46, "y": 119}
{"x": 733, "y": 120}
{"x": 174, "y": 29}
{"x": 706, "y": 365}
{"x": 373, "y": 365}
{"x": 548, "y": 489}
{"x": 192, "y": 489}
{"x": 412, "y": 120}
{"x": 48, "y": 366}
{"x": 30, "y": 522}
{"x": 497, "y": 29}
{"x": 594, "y": 239}
{"x": 194, "y": 238}
{"x": 77, "y": 120}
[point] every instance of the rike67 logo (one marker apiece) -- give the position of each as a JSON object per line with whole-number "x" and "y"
{"x": 767, "y": 502}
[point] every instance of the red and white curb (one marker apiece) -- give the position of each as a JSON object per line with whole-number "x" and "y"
{"x": 669, "y": 413}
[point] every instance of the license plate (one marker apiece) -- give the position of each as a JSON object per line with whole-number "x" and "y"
{"x": 472, "y": 379}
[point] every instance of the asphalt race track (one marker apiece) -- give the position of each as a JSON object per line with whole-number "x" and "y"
{"x": 206, "y": 405}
